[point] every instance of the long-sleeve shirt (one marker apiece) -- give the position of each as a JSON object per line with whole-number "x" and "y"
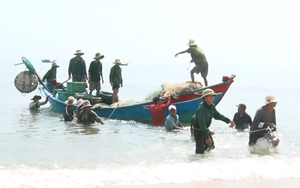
{"x": 115, "y": 75}
{"x": 171, "y": 123}
{"x": 158, "y": 112}
{"x": 77, "y": 68}
{"x": 36, "y": 105}
{"x": 204, "y": 115}
{"x": 50, "y": 76}
{"x": 261, "y": 119}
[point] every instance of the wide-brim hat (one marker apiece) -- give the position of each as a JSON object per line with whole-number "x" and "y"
{"x": 78, "y": 52}
{"x": 71, "y": 101}
{"x": 79, "y": 102}
{"x": 208, "y": 92}
{"x": 242, "y": 106}
{"x": 270, "y": 99}
{"x": 36, "y": 97}
{"x": 98, "y": 56}
{"x": 85, "y": 103}
{"x": 55, "y": 65}
{"x": 172, "y": 107}
{"x": 191, "y": 42}
{"x": 117, "y": 61}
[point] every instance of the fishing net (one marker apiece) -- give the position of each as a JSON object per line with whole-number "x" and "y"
{"x": 26, "y": 82}
{"x": 176, "y": 90}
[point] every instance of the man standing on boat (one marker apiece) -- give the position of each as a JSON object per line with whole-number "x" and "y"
{"x": 204, "y": 114}
{"x": 95, "y": 74}
{"x": 241, "y": 119}
{"x": 158, "y": 109}
{"x": 264, "y": 118}
{"x": 115, "y": 79}
{"x": 77, "y": 68}
{"x": 199, "y": 59}
{"x": 50, "y": 76}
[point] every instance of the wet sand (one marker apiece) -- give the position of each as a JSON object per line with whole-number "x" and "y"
{"x": 257, "y": 183}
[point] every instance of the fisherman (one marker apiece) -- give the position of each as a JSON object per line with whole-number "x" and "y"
{"x": 50, "y": 76}
{"x": 88, "y": 116}
{"x": 264, "y": 118}
{"x": 241, "y": 119}
{"x": 204, "y": 114}
{"x": 69, "y": 110}
{"x": 77, "y": 68}
{"x": 79, "y": 105}
{"x": 198, "y": 58}
{"x": 95, "y": 74}
{"x": 115, "y": 79}
{"x": 172, "y": 120}
{"x": 36, "y": 104}
{"x": 157, "y": 110}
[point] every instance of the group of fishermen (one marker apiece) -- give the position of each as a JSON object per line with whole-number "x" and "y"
{"x": 264, "y": 119}
{"x": 263, "y": 124}
{"x": 77, "y": 71}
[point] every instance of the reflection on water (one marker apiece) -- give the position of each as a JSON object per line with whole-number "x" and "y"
{"x": 78, "y": 128}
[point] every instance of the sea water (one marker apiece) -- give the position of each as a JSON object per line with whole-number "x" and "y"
{"x": 37, "y": 149}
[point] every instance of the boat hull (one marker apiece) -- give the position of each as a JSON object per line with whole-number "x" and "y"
{"x": 186, "y": 105}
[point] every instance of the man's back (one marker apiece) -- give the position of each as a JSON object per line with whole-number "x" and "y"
{"x": 158, "y": 113}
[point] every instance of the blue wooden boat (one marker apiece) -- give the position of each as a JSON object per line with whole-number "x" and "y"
{"x": 186, "y": 104}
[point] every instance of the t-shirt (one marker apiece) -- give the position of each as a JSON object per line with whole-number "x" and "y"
{"x": 197, "y": 55}
{"x": 171, "y": 123}
{"x": 243, "y": 122}
{"x": 95, "y": 69}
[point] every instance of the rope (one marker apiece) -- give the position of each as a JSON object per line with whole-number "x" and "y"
{"x": 113, "y": 111}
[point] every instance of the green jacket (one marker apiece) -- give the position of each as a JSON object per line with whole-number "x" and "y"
{"x": 204, "y": 115}
{"x": 115, "y": 75}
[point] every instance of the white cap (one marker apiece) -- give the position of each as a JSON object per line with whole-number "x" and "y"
{"x": 172, "y": 107}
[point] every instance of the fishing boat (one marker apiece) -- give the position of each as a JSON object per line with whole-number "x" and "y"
{"x": 186, "y": 104}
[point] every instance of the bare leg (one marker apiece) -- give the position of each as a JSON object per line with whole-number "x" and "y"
{"x": 192, "y": 77}
{"x": 114, "y": 95}
{"x": 91, "y": 92}
{"x": 205, "y": 81}
{"x": 98, "y": 93}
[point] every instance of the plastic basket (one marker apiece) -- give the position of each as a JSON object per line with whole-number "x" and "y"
{"x": 76, "y": 86}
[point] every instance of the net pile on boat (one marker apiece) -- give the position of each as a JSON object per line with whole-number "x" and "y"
{"x": 175, "y": 90}
{"x": 26, "y": 82}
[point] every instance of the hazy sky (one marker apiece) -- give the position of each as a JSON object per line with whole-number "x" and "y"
{"x": 231, "y": 32}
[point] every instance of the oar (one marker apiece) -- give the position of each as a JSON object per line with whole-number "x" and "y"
{"x": 18, "y": 64}
{"x": 113, "y": 111}
{"x": 63, "y": 82}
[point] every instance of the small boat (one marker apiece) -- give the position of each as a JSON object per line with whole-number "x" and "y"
{"x": 186, "y": 104}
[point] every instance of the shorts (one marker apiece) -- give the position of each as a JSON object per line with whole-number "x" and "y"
{"x": 203, "y": 68}
{"x": 95, "y": 85}
{"x": 116, "y": 86}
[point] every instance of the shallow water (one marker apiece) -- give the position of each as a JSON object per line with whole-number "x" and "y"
{"x": 37, "y": 149}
